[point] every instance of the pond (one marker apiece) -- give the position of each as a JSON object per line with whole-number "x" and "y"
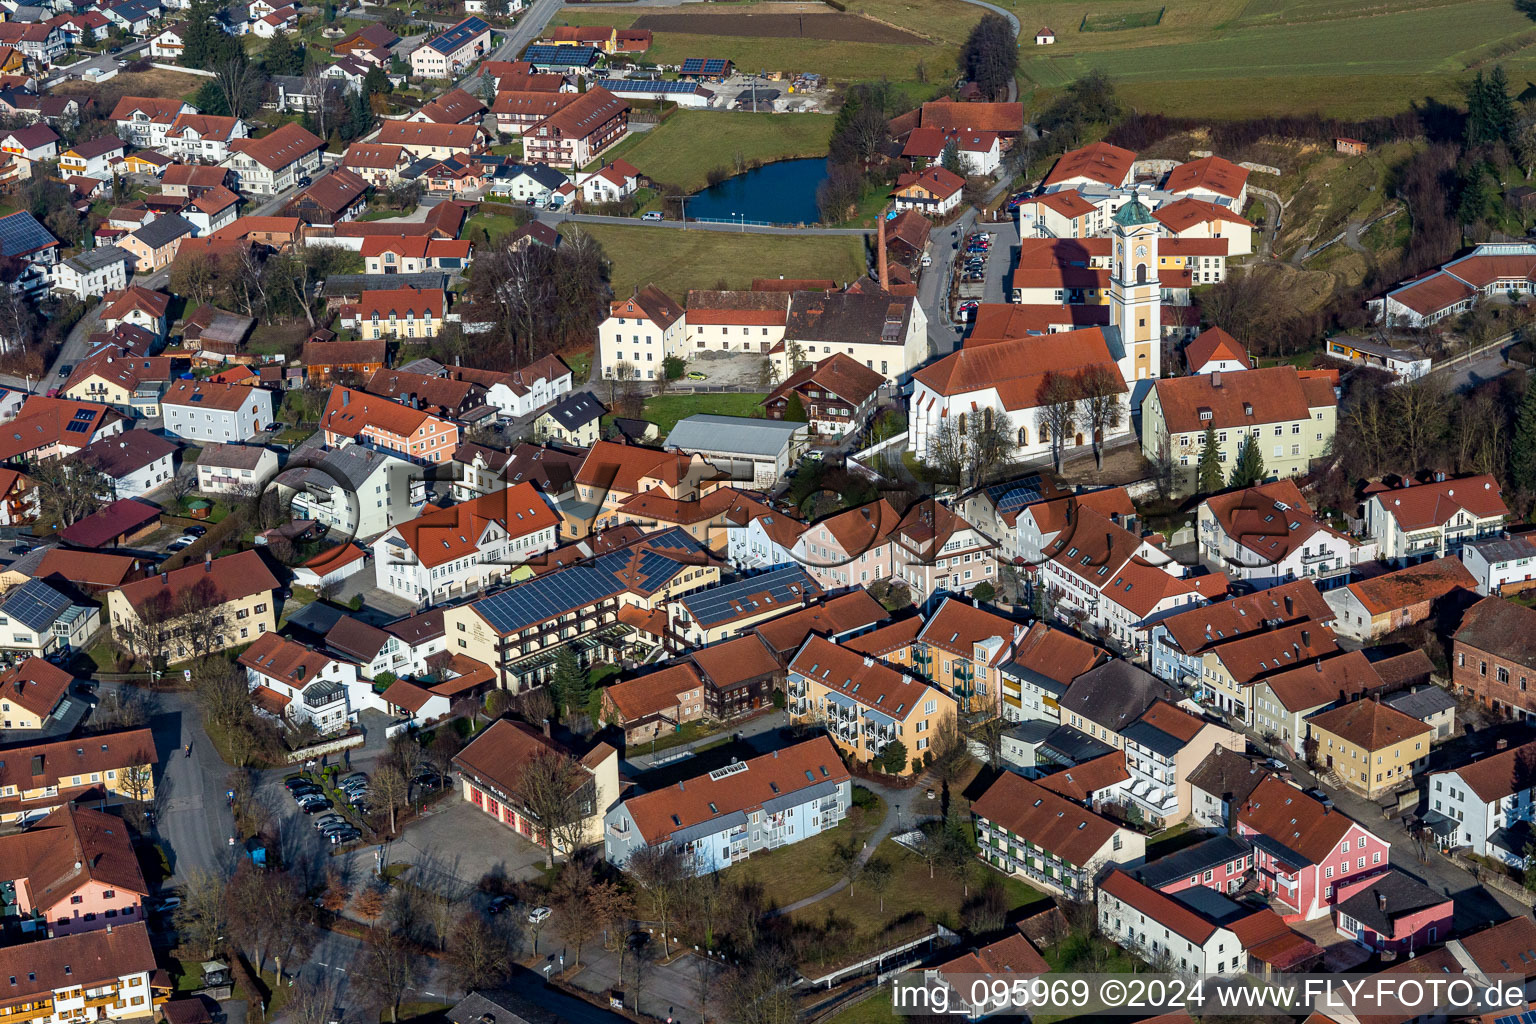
{"x": 783, "y": 192}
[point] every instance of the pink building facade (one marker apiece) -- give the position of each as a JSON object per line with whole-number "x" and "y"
{"x": 1311, "y": 887}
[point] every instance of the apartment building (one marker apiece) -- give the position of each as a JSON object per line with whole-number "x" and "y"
{"x": 1486, "y": 805}
{"x": 452, "y": 50}
{"x": 1043, "y": 664}
{"x": 198, "y": 410}
{"x": 296, "y": 683}
{"x": 706, "y": 616}
{"x": 73, "y": 871}
{"x": 1268, "y": 535}
{"x": 1177, "y": 645}
{"x": 410, "y": 434}
{"x": 93, "y": 975}
{"x": 1432, "y": 520}
{"x": 580, "y": 131}
{"x": 723, "y": 817}
{"x": 208, "y": 606}
{"x": 465, "y": 548}
{"x": 866, "y": 705}
{"x": 275, "y": 162}
{"x": 1374, "y": 607}
{"x": 1283, "y": 702}
{"x": 961, "y": 649}
{"x": 107, "y": 768}
{"x": 1026, "y": 830}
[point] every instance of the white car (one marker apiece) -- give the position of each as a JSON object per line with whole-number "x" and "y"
{"x": 927, "y": 259}
{"x": 538, "y": 915}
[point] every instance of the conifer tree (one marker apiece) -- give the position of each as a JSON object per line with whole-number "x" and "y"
{"x": 1208, "y": 473}
{"x": 1249, "y": 467}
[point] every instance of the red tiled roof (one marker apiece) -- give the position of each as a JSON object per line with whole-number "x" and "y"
{"x": 860, "y": 679}
{"x": 1056, "y": 654}
{"x": 454, "y": 532}
{"x": 1344, "y": 676}
{"x": 1369, "y": 725}
{"x": 1163, "y": 909}
{"x": 1097, "y": 161}
{"x": 1051, "y": 822}
{"x": 1081, "y": 781}
{"x": 282, "y": 147}
{"x": 1005, "y": 118}
{"x": 1427, "y": 581}
{"x": 1296, "y": 821}
{"x": 1214, "y": 343}
{"x": 1240, "y": 399}
{"x": 234, "y": 576}
{"x": 1208, "y": 174}
{"x": 840, "y": 614}
{"x": 1017, "y": 367}
{"x": 35, "y": 684}
{"x": 1427, "y": 505}
{"x": 1255, "y": 656}
{"x": 654, "y": 692}
{"x": 1181, "y": 215}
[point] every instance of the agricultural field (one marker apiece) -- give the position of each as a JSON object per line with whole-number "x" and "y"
{"x": 1338, "y": 57}
{"x": 683, "y": 149}
{"x": 678, "y": 260}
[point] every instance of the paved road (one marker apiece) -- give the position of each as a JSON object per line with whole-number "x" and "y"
{"x": 102, "y": 62}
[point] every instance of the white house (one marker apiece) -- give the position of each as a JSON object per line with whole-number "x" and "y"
{"x": 1499, "y": 562}
{"x": 764, "y": 542}
{"x": 1162, "y": 928}
{"x": 235, "y": 468}
{"x": 132, "y": 463}
{"x": 1215, "y": 351}
{"x": 354, "y": 490}
{"x": 641, "y": 331}
{"x": 520, "y": 392}
{"x": 609, "y": 184}
{"x": 464, "y": 548}
{"x": 284, "y": 19}
{"x": 1269, "y": 535}
{"x": 300, "y": 684}
{"x": 93, "y": 272}
{"x": 1479, "y": 804}
{"x": 170, "y": 42}
{"x": 275, "y": 162}
{"x": 204, "y": 138}
{"x": 1431, "y": 520}
{"x": 144, "y": 120}
{"x": 205, "y": 411}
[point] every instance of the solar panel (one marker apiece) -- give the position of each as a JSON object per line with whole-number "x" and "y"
{"x": 78, "y": 427}
{"x": 560, "y": 56}
{"x": 1011, "y": 496}
{"x": 35, "y": 605}
{"x": 715, "y": 605}
{"x": 20, "y": 233}
{"x": 645, "y": 86}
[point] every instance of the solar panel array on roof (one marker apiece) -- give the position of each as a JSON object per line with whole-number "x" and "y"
{"x": 703, "y": 66}
{"x": 1015, "y": 494}
{"x": 577, "y": 586}
{"x": 647, "y": 86}
{"x": 545, "y": 55}
{"x": 20, "y": 233}
{"x": 782, "y": 588}
{"x": 35, "y": 605}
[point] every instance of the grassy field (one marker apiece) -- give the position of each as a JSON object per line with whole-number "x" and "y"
{"x": 666, "y": 410}
{"x": 791, "y": 873}
{"x": 1338, "y": 57}
{"x": 682, "y": 150}
{"x": 678, "y": 260}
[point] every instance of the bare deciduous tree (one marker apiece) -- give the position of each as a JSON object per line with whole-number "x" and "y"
{"x": 558, "y": 796}
{"x": 1057, "y": 401}
{"x": 1101, "y": 388}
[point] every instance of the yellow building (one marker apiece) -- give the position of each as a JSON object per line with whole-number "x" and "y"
{"x": 36, "y": 779}
{"x": 866, "y": 705}
{"x": 960, "y": 650}
{"x": 30, "y": 692}
{"x": 1373, "y": 748}
{"x": 199, "y": 608}
{"x": 574, "y": 420}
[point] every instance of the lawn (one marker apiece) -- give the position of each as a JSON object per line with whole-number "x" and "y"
{"x": 791, "y": 873}
{"x": 666, "y": 410}
{"x": 683, "y": 149}
{"x": 676, "y": 260}
{"x": 1339, "y": 57}
{"x": 939, "y": 898}
{"x": 874, "y": 1009}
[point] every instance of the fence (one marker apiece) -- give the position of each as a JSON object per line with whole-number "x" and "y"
{"x": 741, "y": 220}
{"x": 329, "y": 747}
{"x": 939, "y": 936}
{"x": 185, "y": 71}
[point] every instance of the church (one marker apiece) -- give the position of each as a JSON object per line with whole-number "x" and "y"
{"x": 1008, "y": 359}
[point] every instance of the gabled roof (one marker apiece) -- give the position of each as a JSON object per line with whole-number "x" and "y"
{"x": 1228, "y": 775}
{"x": 35, "y": 684}
{"x": 1342, "y": 677}
{"x": 448, "y": 534}
{"x": 287, "y": 661}
{"x": 458, "y": 137}
{"x": 1505, "y": 948}
{"x": 938, "y": 181}
{"x": 958, "y": 625}
{"x": 839, "y": 374}
{"x": 1499, "y": 775}
{"x": 1115, "y": 694}
{"x": 374, "y": 156}
{"x": 1212, "y": 344}
{"x": 1202, "y": 628}
{"x": 1165, "y": 910}
{"x": 1081, "y": 781}
{"x": 1208, "y": 174}
{"x": 1416, "y": 584}
{"x": 1006, "y": 118}
{"x": 336, "y": 191}
{"x": 650, "y": 302}
{"x": 349, "y": 413}
{"x": 861, "y": 529}
{"x": 1257, "y": 655}
{"x": 1369, "y": 725}
{"x": 198, "y": 394}
{"x": 1053, "y": 654}
{"x": 1272, "y": 520}
{"x": 39, "y": 765}
{"x": 1294, "y": 820}
{"x": 234, "y": 576}
{"x": 1097, "y": 161}
{"x": 860, "y": 679}
{"x": 282, "y": 147}
{"x": 1243, "y": 398}
{"x": 68, "y": 848}
{"x": 1053, "y": 823}
{"x": 768, "y": 782}
{"x": 1427, "y": 505}
{"x": 844, "y": 613}
{"x": 1500, "y": 627}
{"x": 653, "y": 693}
{"x": 499, "y": 754}
{"x": 79, "y": 959}
{"x": 1018, "y": 367}
{"x": 1183, "y": 214}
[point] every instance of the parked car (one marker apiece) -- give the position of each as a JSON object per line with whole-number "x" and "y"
{"x": 325, "y": 821}
{"x": 195, "y": 530}
{"x": 296, "y": 782}
{"x": 167, "y": 904}
{"x": 349, "y": 836}
{"x": 315, "y": 806}
{"x": 651, "y": 215}
{"x": 179, "y": 544}
{"x": 355, "y": 777}
{"x": 499, "y": 904}
{"x": 696, "y": 375}
{"x": 538, "y": 915}
{"x": 927, "y": 259}
{"x": 66, "y": 370}
{"x": 20, "y": 549}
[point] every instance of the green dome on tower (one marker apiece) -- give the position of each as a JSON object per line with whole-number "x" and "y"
{"x": 1133, "y": 213}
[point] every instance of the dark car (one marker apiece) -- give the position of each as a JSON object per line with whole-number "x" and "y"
{"x": 499, "y": 904}
{"x": 297, "y": 782}
{"x": 66, "y": 370}
{"x": 637, "y": 939}
{"x": 195, "y": 530}
{"x": 306, "y": 790}
{"x": 305, "y": 181}
{"x": 315, "y": 806}
{"x": 348, "y": 836}
{"x": 20, "y": 549}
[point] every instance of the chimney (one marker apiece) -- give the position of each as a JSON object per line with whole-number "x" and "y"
{"x": 1381, "y": 902}
{"x": 546, "y": 727}
{"x": 165, "y": 577}
{"x": 207, "y": 561}
{"x": 1290, "y": 604}
{"x": 1306, "y": 638}
{"x": 1215, "y": 378}
{"x": 884, "y": 270}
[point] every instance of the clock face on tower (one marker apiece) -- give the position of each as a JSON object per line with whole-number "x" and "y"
{"x": 1141, "y": 250}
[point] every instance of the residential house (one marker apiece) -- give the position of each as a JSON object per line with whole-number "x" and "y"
{"x": 1229, "y": 671}
{"x": 452, "y": 51}
{"x": 352, "y": 488}
{"x": 193, "y": 180}
{"x": 1393, "y": 913}
{"x": 31, "y": 694}
{"x": 465, "y": 548}
{"x": 1374, "y": 748}
{"x": 1163, "y": 928}
{"x": 491, "y": 769}
{"x": 850, "y": 548}
{"x": 275, "y": 162}
{"x": 654, "y": 326}
{"x": 144, "y": 121}
{"x": 933, "y": 192}
{"x": 720, "y": 682}
{"x": 1372, "y": 608}
{"x": 389, "y": 426}
{"x": 92, "y": 159}
{"x": 139, "y": 307}
{"x": 610, "y": 183}
{"x": 836, "y": 395}
{"x": 1002, "y": 964}
{"x": 299, "y": 684}
{"x": 380, "y": 165}
{"x": 414, "y": 254}
{"x": 338, "y": 196}
{"x": 1211, "y": 178}
{"x": 42, "y": 619}
{"x": 1043, "y": 663}
{"x": 47, "y": 428}
{"x": 205, "y": 138}
{"x": 113, "y": 975}
{"x": 94, "y": 272}
{"x": 1197, "y": 219}
{"x": 521, "y": 392}
{"x": 573, "y": 420}
{"x": 723, "y": 817}
{"x": 39, "y": 42}
{"x": 154, "y": 245}
{"x": 131, "y": 464}
{"x": 868, "y": 708}
{"x": 1431, "y": 520}
{"x": 1508, "y": 947}
{"x": 961, "y": 649}
{"x": 514, "y": 630}
{"x": 399, "y": 313}
{"x": 441, "y": 396}
{"x": 284, "y": 19}
{"x": 580, "y": 131}
{"x": 1269, "y": 534}
{"x": 1493, "y": 657}
{"x": 453, "y": 107}
{"x": 170, "y": 42}
{"x": 205, "y": 411}
{"x": 613, "y": 473}
{"x": 1291, "y": 416}
{"x": 239, "y": 469}
{"x": 1486, "y": 805}
{"x": 1503, "y": 564}
{"x": 1304, "y": 850}
{"x": 74, "y": 871}
{"x": 1219, "y": 786}
{"x": 31, "y": 251}
{"x": 934, "y": 550}
{"x": 1095, "y": 164}
{"x": 106, "y": 769}
{"x": 1177, "y": 644}
{"x": 1284, "y": 702}
{"x": 213, "y": 605}
{"x": 730, "y": 609}
{"x": 1025, "y": 829}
